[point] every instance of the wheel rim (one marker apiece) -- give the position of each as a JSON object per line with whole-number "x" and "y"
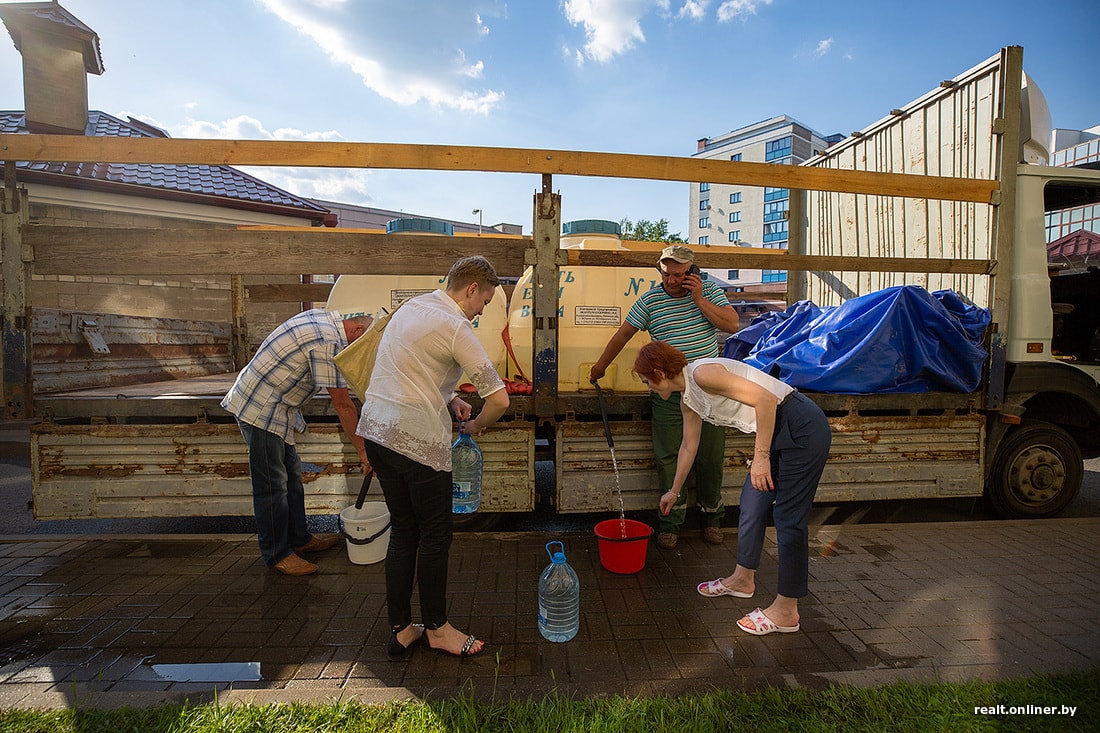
{"x": 1037, "y": 475}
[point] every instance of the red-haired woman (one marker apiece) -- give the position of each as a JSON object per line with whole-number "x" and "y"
{"x": 792, "y": 444}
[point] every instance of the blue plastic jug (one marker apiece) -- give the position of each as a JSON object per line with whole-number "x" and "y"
{"x": 559, "y": 598}
{"x": 466, "y": 464}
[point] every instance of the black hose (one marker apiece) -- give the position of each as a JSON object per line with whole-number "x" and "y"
{"x": 603, "y": 414}
{"x": 363, "y": 490}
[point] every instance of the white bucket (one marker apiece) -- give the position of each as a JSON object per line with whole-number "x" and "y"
{"x": 367, "y": 532}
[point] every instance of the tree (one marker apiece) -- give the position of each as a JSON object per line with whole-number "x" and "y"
{"x": 644, "y": 230}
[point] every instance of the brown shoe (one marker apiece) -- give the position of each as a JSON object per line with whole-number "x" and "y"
{"x": 713, "y": 535}
{"x": 667, "y": 540}
{"x": 319, "y": 543}
{"x": 294, "y": 565}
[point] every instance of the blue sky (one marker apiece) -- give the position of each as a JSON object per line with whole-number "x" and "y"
{"x": 636, "y": 76}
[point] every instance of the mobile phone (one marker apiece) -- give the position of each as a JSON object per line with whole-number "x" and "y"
{"x": 694, "y": 270}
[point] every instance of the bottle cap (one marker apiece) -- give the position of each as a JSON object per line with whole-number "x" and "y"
{"x": 558, "y": 558}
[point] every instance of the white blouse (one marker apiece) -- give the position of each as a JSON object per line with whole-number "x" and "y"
{"x": 426, "y": 347}
{"x": 720, "y": 410}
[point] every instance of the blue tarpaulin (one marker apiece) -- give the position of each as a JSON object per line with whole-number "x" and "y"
{"x": 901, "y": 339}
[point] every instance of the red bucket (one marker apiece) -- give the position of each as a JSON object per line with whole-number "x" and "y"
{"x": 623, "y": 544}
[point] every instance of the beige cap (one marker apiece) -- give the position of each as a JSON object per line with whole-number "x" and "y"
{"x": 677, "y": 252}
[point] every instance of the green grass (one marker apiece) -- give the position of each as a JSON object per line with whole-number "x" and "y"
{"x": 895, "y": 707}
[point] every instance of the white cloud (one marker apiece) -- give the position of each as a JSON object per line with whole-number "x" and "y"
{"x": 244, "y": 127}
{"x": 408, "y": 52}
{"x": 694, "y": 9}
{"x": 731, "y": 9}
{"x": 611, "y": 27}
{"x": 823, "y": 47}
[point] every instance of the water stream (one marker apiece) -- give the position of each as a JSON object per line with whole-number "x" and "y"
{"x": 619, "y": 492}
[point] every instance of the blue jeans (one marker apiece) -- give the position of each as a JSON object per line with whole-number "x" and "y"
{"x": 278, "y": 497}
{"x": 799, "y": 450}
{"x": 421, "y": 526}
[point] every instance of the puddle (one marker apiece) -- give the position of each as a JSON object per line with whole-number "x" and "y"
{"x": 213, "y": 672}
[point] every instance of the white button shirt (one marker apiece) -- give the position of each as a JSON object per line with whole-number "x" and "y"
{"x": 426, "y": 347}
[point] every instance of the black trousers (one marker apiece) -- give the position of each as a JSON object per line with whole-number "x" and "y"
{"x": 419, "y": 502}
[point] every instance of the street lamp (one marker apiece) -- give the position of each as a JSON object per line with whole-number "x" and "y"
{"x": 479, "y": 213}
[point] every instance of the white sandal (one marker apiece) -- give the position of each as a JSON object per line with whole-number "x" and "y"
{"x": 765, "y": 625}
{"x": 715, "y": 588}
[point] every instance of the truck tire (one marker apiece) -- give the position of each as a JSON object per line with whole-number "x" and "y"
{"x": 1036, "y": 472}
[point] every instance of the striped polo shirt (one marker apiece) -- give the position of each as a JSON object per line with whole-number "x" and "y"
{"x": 678, "y": 321}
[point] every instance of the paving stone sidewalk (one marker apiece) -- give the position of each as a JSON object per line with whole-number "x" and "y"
{"x": 129, "y": 620}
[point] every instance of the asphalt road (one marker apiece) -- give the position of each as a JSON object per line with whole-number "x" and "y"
{"x": 16, "y": 517}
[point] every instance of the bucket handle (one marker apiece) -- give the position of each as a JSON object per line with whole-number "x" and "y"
{"x": 358, "y": 540}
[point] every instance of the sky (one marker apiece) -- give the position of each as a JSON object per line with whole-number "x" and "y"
{"x": 632, "y": 76}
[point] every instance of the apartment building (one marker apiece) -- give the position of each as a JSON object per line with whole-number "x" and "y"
{"x": 750, "y": 216}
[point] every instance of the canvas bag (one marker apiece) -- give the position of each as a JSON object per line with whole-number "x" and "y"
{"x": 356, "y": 362}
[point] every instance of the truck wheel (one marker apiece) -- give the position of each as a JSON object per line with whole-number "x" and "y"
{"x": 1036, "y": 473}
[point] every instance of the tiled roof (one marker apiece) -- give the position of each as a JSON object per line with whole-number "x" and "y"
{"x": 220, "y": 182}
{"x": 1080, "y": 243}
{"x": 52, "y": 18}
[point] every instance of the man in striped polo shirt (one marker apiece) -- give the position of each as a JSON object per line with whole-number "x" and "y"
{"x": 687, "y": 312}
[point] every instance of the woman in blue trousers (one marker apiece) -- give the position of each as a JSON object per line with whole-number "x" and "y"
{"x": 790, "y": 450}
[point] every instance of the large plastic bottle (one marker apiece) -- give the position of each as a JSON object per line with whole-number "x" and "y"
{"x": 466, "y": 465}
{"x": 559, "y": 598}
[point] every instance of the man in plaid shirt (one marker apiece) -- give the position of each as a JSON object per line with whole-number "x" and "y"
{"x": 291, "y": 366}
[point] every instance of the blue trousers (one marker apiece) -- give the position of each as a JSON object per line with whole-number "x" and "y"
{"x": 421, "y": 526}
{"x": 278, "y": 497}
{"x": 799, "y": 449}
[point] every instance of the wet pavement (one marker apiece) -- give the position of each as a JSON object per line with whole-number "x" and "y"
{"x": 140, "y": 620}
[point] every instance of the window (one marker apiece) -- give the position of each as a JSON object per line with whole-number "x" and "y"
{"x": 735, "y": 235}
{"x": 704, "y": 204}
{"x": 1087, "y": 152}
{"x": 735, "y": 156}
{"x": 735, "y": 198}
{"x": 775, "y": 232}
{"x": 1067, "y": 221}
{"x": 775, "y": 194}
{"x": 733, "y": 275}
{"x": 704, "y": 187}
{"x": 735, "y": 216}
{"x": 773, "y": 276}
{"x": 704, "y": 222}
{"x": 776, "y": 210}
{"x": 704, "y": 240}
{"x": 776, "y": 149}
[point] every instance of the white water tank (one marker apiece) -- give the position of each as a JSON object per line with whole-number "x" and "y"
{"x": 593, "y": 301}
{"x": 355, "y": 295}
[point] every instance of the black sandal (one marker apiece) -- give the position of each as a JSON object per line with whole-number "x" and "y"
{"x": 466, "y": 647}
{"x": 398, "y": 652}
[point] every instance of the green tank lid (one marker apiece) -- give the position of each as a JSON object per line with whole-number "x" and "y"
{"x": 426, "y": 226}
{"x": 591, "y": 226}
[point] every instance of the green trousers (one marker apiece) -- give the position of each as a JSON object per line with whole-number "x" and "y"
{"x": 706, "y": 474}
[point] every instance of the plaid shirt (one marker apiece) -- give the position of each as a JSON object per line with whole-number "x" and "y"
{"x": 291, "y": 366}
